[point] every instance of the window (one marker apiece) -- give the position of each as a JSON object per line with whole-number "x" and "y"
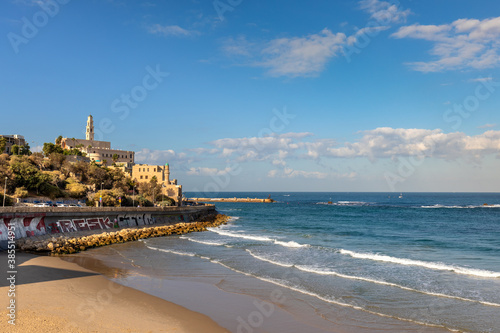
{"x": 154, "y": 169}
{"x": 146, "y": 177}
{"x": 148, "y": 169}
{"x": 141, "y": 177}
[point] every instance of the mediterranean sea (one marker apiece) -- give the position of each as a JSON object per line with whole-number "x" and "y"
{"x": 348, "y": 262}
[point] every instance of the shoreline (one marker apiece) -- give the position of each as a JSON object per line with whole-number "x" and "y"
{"x": 237, "y": 302}
{"x": 54, "y": 295}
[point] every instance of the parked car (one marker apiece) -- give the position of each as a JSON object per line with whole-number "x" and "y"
{"x": 62, "y": 205}
{"x": 43, "y": 204}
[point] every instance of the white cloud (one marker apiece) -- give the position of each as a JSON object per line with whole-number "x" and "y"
{"x": 159, "y": 156}
{"x": 482, "y": 79}
{"x": 237, "y": 46}
{"x": 200, "y": 151}
{"x": 307, "y": 56}
{"x": 487, "y": 126}
{"x": 259, "y": 146}
{"x": 37, "y": 149}
{"x": 171, "y": 30}
{"x": 384, "y": 11}
{"x": 462, "y": 44}
{"x": 351, "y": 40}
{"x": 301, "y": 56}
{"x": 386, "y": 142}
{"x": 203, "y": 171}
{"x": 291, "y": 173}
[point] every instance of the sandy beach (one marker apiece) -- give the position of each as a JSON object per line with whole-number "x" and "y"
{"x": 52, "y": 295}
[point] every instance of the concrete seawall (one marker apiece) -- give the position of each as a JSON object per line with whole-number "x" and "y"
{"x": 38, "y": 221}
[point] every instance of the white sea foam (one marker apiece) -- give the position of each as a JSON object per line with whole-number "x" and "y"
{"x": 430, "y": 265}
{"x": 203, "y": 242}
{"x": 181, "y": 253}
{"x": 325, "y": 299}
{"x": 344, "y": 203}
{"x": 319, "y": 271}
{"x": 462, "y": 207}
{"x": 234, "y": 235}
{"x": 290, "y": 244}
{"x": 256, "y": 256}
{"x": 258, "y": 238}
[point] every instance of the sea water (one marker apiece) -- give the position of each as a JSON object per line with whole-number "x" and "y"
{"x": 429, "y": 260}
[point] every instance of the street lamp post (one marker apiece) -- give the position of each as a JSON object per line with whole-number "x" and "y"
{"x": 154, "y": 196}
{"x": 133, "y": 196}
{"x": 162, "y": 195}
{"x": 100, "y": 198}
{"x": 4, "y": 191}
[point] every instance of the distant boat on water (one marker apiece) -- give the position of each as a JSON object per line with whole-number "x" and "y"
{"x": 400, "y": 196}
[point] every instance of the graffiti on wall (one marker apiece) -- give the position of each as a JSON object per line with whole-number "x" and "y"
{"x": 24, "y": 226}
{"x": 37, "y": 225}
{"x": 80, "y": 224}
{"x": 133, "y": 220}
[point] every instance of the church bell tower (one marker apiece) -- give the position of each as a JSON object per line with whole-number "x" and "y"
{"x": 89, "y": 135}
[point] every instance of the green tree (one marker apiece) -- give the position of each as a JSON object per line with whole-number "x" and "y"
{"x": 49, "y": 148}
{"x": 3, "y": 144}
{"x": 37, "y": 159}
{"x": 56, "y": 161}
{"x": 59, "y": 140}
{"x": 25, "y": 150}
{"x": 115, "y": 158}
{"x": 21, "y": 192}
{"x": 75, "y": 188}
{"x": 8, "y": 200}
{"x": 26, "y": 174}
{"x": 15, "y": 150}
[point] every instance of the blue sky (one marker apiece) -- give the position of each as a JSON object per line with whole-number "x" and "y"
{"x": 241, "y": 95}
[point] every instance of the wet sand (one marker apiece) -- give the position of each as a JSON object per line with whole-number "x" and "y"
{"x": 236, "y": 301}
{"x": 53, "y": 295}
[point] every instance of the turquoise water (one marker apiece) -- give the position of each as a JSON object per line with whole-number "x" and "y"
{"x": 427, "y": 259}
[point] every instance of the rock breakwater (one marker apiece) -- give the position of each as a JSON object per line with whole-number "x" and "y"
{"x": 66, "y": 244}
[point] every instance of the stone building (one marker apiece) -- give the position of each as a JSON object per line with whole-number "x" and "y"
{"x": 11, "y": 140}
{"x": 145, "y": 172}
{"x": 98, "y": 151}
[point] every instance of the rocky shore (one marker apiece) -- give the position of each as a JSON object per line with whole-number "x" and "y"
{"x": 67, "y": 244}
